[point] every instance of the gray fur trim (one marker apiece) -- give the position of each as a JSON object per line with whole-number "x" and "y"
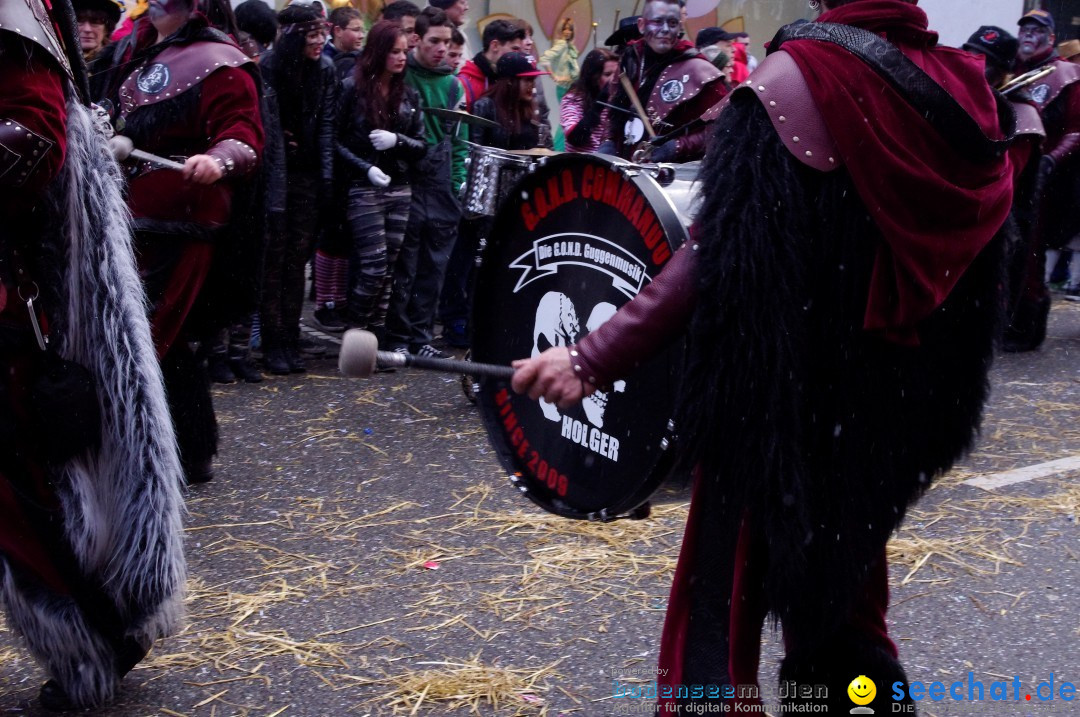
{"x": 56, "y": 634}
{"x": 122, "y": 502}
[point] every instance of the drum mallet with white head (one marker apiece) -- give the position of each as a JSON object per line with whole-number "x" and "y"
{"x": 360, "y": 356}
{"x": 122, "y": 147}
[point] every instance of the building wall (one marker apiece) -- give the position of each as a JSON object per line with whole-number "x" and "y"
{"x": 956, "y": 20}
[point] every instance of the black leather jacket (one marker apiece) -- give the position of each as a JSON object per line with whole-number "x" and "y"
{"x": 356, "y": 155}
{"x": 307, "y": 116}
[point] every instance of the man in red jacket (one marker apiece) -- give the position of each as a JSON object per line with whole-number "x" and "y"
{"x": 840, "y": 336}
{"x": 500, "y": 37}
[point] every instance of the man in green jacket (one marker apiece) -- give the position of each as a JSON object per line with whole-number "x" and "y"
{"x": 436, "y": 210}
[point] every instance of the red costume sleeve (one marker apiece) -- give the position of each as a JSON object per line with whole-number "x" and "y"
{"x": 230, "y": 108}
{"x": 1065, "y": 149}
{"x": 644, "y": 327}
{"x": 33, "y": 121}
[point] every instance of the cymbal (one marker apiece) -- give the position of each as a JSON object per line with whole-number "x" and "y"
{"x": 534, "y": 152}
{"x": 459, "y": 116}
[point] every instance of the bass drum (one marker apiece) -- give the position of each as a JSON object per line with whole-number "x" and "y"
{"x": 575, "y": 240}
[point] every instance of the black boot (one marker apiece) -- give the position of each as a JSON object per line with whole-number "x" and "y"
{"x": 296, "y": 363}
{"x": 201, "y": 473}
{"x": 53, "y": 698}
{"x": 218, "y": 369}
{"x": 277, "y": 362}
{"x": 1027, "y": 330}
{"x": 246, "y": 370}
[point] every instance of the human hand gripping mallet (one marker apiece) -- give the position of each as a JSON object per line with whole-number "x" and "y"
{"x": 360, "y": 356}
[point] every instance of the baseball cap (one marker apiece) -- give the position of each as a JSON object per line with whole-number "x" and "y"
{"x": 1040, "y": 16}
{"x": 997, "y": 44}
{"x": 516, "y": 64}
{"x": 712, "y": 35}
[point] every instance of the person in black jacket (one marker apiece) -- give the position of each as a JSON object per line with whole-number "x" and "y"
{"x": 307, "y": 88}
{"x": 380, "y": 134}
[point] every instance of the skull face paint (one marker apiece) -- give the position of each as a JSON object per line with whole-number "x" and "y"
{"x": 660, "y": 25}
{"x": 1035, "y": 39}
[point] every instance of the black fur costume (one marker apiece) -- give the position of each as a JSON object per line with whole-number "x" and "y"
{"x": 824, "y": 433}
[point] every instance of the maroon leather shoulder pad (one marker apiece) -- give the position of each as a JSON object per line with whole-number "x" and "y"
{"x": 780, "y": 87}
{"x": 175, "y": 71}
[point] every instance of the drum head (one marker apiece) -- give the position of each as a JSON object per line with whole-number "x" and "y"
{"x": 577, "y": 239}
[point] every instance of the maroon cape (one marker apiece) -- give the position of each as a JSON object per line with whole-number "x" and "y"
{"x": 936, "y": 209}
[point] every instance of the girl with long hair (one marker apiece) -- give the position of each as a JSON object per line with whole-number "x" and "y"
{"x": 511, "y": 103}
{"x": 306, "y": 86}
{"x": 583, "y": 118}
{"x": 380, "y": 135}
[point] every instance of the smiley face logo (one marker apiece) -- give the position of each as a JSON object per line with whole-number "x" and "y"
{"x": 862, "y": 690}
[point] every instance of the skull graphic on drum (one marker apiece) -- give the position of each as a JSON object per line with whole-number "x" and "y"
{"x": 557, "y": 324}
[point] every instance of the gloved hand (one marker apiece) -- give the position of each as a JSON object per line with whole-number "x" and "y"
{"x": 378, "y": 177}
{"x": 382, "y": 140}
{"x": 665, "y": 152}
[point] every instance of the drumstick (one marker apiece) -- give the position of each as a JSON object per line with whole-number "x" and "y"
{"x": 360, "y": 356}
{"x": 629, "y": 87}
{"x": 122, "y": 148}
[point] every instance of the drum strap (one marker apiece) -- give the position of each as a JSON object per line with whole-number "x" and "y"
{"x": 943, "y": 112}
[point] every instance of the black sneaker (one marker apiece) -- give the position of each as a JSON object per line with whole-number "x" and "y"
{"x": 277, "y": 362}
{"x": 328, "y": 318}
{"x": 429, "y": 351}
{"x": 311, "y": 347}
{"x": 217, "y": 368}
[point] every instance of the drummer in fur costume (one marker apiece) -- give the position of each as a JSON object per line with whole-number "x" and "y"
{"x": 839, "y": 341}
{"x": 91, "y": 562}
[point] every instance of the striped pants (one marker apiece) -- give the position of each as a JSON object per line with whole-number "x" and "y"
{"x": 376, "y": 219}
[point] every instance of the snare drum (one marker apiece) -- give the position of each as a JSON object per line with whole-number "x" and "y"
{"x": 580, "y": 237}
{"x": 492, "y": 174}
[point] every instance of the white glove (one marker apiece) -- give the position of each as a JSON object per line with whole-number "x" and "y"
{"x": 382, "y": 140}
{"x": 378, "y": 177}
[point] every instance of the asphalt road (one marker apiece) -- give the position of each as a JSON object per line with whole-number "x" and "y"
{"x": 360, "y": 548}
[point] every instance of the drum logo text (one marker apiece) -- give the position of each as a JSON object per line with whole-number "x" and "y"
{"x": 548, "y": 254}
{"x": 607, "y": 186}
